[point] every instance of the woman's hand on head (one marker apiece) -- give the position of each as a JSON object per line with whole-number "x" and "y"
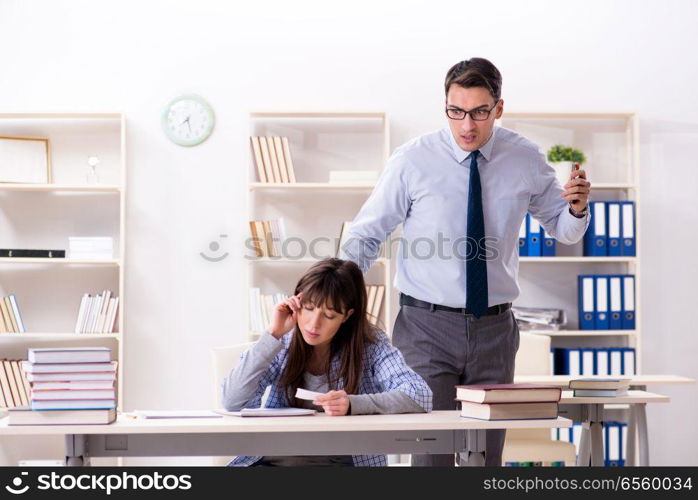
{"x": 335, "y": 403}
{"x": 285, "y": 316}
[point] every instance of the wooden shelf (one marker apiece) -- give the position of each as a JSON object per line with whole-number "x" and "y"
{"x": 310, "y": 185}
{"x": 582, "y": 333}
{"x": 540, "y": 260}
{"x": 59, "y": 336}
{"x": 61, "y": 188}
{"x": 59, "y": 261}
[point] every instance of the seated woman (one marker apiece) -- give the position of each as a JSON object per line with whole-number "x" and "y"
{"x": 320, "y": 340}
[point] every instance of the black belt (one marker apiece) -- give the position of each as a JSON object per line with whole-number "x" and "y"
{"x": 406, "y": 300}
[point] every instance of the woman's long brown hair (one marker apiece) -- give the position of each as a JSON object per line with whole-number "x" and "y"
{"x": 339, "y": 284}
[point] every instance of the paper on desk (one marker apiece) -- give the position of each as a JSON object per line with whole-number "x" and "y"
{"x": 267, "y": 412}
{"x": 307, "y": 395}
{"x": 176, "y": 414}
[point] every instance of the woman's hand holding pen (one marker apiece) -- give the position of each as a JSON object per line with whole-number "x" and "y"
{"x": 335, "y": 403}
{"x": 285, "y": 316}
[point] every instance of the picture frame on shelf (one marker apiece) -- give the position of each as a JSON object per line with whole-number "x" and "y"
{"x": 25, "y": 160}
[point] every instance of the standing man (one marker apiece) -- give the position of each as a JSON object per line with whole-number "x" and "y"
{"x": 461, "y": 194}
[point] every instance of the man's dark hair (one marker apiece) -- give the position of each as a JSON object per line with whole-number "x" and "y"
{"x": 475, "y": 72}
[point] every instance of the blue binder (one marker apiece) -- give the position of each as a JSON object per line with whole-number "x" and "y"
{"x": 629, "y": 363}
{"x": 585, "y": 297}
{"x": 615, "y": 361}
{"x": 588, "y": 361}
{"x": 615, "y": 302}
{"x": 534, "y": 237}
{"x": 601, "y": 302}
{"x": 568, "y": 361}
{"x": 595, "y": 236}
{"x": 523, "y": 237}
{"x": 628, "y": 293}
{"x": 549, "y": 246}
{"x": 614, "y": 228}
{"x": 628, "y": 228}
{"x": 614, "y": 444}
{"x": 602, "y": 362}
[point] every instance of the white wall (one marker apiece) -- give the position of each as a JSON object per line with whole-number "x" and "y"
{"x": 134, "y": 57}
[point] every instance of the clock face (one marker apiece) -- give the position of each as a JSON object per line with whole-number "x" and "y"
{"x": 188, "y": 120}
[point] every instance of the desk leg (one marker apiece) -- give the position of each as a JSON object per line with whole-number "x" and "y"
{"x": 630, "y": 445}
{"x": 584, "y": 454}
{"x": 474, "y": 456}
{"x": 640, "y": 411}
{"x": 76, "y": 450}
{"x": 591, "y": 441}
{"x": 597, "y": 450}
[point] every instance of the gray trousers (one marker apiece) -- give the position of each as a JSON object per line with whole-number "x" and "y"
{"x": 449, "y": 349}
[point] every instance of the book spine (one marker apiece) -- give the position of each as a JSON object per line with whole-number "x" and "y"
{"x": 257, "y": 153}
{"x": 274, "y": 162}
{"x": 18, "y": 316}
{"x": 287, "y": 160}
{"x": 10, "y": 314}
{"x": 269, "y": 174}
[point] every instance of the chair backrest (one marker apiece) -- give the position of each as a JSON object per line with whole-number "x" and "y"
{"x": 224, "y": 360}
{"x": 533, "y": 356}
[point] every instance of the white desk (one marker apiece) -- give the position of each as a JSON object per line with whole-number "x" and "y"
{"x": 436, "y": 432}
{"x": 637, "y": 419}
{"x": 591, "y": 415}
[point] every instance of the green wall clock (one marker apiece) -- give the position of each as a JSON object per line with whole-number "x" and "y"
{"x": 188, "y": 120}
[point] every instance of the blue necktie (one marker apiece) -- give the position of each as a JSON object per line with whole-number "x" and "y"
{"x": 476, "y": 265}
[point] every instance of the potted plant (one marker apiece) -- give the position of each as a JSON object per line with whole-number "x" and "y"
{"x": 562, "y": 159}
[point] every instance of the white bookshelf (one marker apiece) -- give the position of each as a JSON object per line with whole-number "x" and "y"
{"x": 611, "y": 143}
{"x": 49, "y": 291}
{"x": 314, "y": 209}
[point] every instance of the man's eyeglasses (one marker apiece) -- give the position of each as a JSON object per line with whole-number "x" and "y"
{"x": 477, "y": 114}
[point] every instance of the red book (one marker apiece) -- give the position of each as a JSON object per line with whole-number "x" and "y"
{"x": 508, "y": 393}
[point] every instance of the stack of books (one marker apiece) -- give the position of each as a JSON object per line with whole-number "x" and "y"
{"x": 262, "y": 308}
{"x": 268, "y": 237}
{"x": 14, "y": 386}
{"x": 508, "y": 401}
{"x": 97, "y": 314}
{"x": 91, "y": 247}
{"x": 375, "y": 295}
{"x": 600, "y": 387}
{"x": 66, "y": 383}
{"x": 272, "y": 158}
{"x": 10, "y": 318}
